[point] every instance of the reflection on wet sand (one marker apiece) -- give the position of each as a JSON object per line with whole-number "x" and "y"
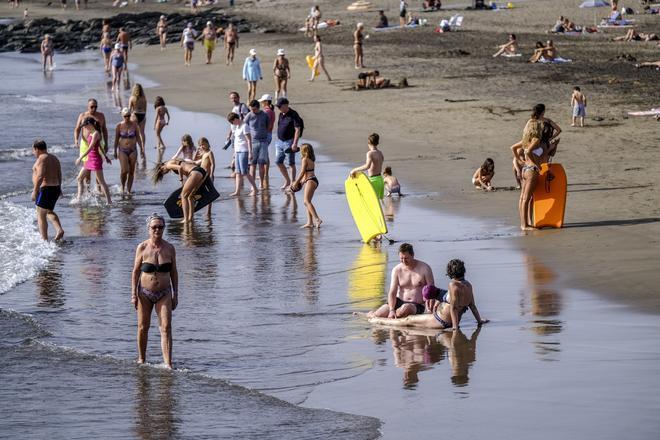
{"x": 155, "y": 405}
{"x": 366, "y": 279}
{"x": 93, "y": 220}
{"x": 49, "y": 282}
{"x": 545, "y": 304}
{"x": 391, "y": 208}
{"x": 418, "y": 350}
{"x": 311, "y": 269}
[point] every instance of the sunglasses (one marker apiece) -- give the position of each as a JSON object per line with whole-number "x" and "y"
{"x": 157, "y": 228}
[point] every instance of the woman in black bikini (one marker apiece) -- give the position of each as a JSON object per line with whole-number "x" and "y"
{"x": 196, "y": 176}
{"x": 448, "y": 309}
{"x": 127, "y": 137}
{"x": 308, "y": 178}
{"x": 138, "y": 105}
{"x": 155, "y": 285}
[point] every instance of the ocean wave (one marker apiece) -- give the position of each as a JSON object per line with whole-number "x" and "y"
{"x": 21, "y": 153}
{"x": 23, "y": 251}
{"x": 38, "y": 99}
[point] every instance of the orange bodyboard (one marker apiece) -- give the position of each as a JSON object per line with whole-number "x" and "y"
{"x": 550, "y": 197}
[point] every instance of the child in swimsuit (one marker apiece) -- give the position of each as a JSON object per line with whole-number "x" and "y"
{"x": 579, "y": 105}
{"x": 392, "y": 185}
{"x": 484, "y": 174}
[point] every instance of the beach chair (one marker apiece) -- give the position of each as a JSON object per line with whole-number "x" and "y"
{"x": 458, "y": 23}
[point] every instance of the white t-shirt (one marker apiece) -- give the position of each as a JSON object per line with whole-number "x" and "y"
{"x": 240, "y": 141}
{"x": 189, "y": 35}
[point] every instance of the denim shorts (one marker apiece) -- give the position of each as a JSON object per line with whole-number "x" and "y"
{"x": 241, "y": 163}
{"x": 280, "y": 146}
{"x": 259, "y": 153}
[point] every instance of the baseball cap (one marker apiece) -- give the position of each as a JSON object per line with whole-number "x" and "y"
{"x": 281, "y": 102}
{"x": 265, "y": 97}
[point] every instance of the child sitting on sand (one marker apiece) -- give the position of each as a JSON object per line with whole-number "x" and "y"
{"x": 391, "y": 183}
{"x": 484, "y": 174}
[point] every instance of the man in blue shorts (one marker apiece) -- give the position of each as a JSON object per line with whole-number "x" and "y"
{"x": 289, "y": 130}
{"x": 47, "y": 180}
{"x": 258, "y": 121}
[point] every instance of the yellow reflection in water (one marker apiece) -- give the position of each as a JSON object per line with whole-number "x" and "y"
{"x": 366, "y": 280}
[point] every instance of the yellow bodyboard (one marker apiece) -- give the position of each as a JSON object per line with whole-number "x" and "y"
{"x": 365, "y": 207}
{"x": 310, "y": 64}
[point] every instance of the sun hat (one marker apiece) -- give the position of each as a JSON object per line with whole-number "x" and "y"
{"x": 280, "y": 52}
{"x": 253, "y": 52}
{"x": 265, "y": 97}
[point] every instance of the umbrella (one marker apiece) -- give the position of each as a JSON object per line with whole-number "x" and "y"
{"x": 594, "y": 4}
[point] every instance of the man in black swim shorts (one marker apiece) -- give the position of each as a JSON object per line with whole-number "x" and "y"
{"x": 408, "y": 279}
{"x": 47, "y": 180}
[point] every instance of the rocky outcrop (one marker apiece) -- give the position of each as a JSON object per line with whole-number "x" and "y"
{"x": 77, "y": 35}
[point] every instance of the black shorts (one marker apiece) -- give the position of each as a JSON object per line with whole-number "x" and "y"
{"x": 403, "y": 13}
{"x": 140, "y": 117}
{"x": 419, "y": 308}
{"x": 48, "y": 196}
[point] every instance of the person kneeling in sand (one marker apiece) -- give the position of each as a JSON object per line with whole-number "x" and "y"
{"x": 392, "y": 185}
{"x": 371, "y": 80}
{"x": 405, "y": 294}
{"x": 447, "y": 307}
{"x": 484, "y": 174}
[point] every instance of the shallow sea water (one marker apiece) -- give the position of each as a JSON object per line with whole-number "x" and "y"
{"x": 264, "y": 337}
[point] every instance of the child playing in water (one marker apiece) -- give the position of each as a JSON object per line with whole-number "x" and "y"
{"x": 484, "y": 174}
{"x": 579, "y": 105}
{"x": 391, "y": 183}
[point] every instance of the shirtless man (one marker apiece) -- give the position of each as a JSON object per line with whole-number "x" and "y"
{"x": 124, "y": 39}
{"x": 579, "y": 106}
{"x": 408, "y": 279}
{"x": 47, "y": 181}
{"x": 210, "y": 37}
{"x": 79, "y": 141}
{"x": 231, "y": 43}
{"x": 373, "y": 166}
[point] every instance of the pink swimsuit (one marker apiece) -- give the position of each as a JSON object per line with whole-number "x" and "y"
{"x": 94, "y": 160}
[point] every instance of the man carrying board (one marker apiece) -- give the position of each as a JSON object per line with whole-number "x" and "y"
{"x": 373, "y": 166}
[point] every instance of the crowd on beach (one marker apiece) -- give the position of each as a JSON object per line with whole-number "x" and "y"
{"x": 412, "y": 300}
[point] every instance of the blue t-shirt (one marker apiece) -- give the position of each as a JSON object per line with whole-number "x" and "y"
{"x": 258, "y": 124}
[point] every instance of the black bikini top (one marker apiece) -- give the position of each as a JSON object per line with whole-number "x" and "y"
{"x": 152, "y": 268}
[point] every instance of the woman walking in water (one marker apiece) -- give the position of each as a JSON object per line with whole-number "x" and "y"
{"x": 117, "y": 61}
{"x": 308, "y": 178}
{"x": 106, "y": 50}
{"x": 161, "y": 31}
{"x": 137, "y": 104}
{"x": 127, "y": 138}
{"x": 94, "y": 161}
{"x": 162, "y": 119}
{"x": 47, "y": 50}
{"x": 252, "y": 73}
{"x": 319, "y": 60}
{"x": 155, "y": 284}
{"x": 282, "y": 73}
{"x": 195, "y": 177}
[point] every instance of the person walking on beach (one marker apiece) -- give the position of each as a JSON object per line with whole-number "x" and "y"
{"x": 252, "y": 73}
{"x": 137, "y": 104}
{"x": 258, "y": 122}
{"x": 188, "y": 42}
{"x": 155, "y": 284}
{"x": 373, "y": 165}
{"x": 579, "y": 105}
{"x": 162, "y": 119}
{"x": 282, "y": 73}
{"x": 403, "y": 12}
{"x": 319, "y": 59}
{"x": 47, "y": 188}
{"x": 81, "y": 133}
{"x": 118, "y": 63}
{"x": 47, "y": 51}
{"x": 210, "y": 38}
{"x": 290, "y": 127}
{"x": 127, "y": 138}
{"x": 124, "y": 39}
{"x": 161, "y": 31}
{"x": 407, "y": 280}
{"x": 358, "y": 39}
{"x": 95, "y": 155}
{"x": 106, "y": 50}
{"x": 243, "y": 153}
{"x": 231, "y": 43}
{"x": 267, "y": 107}
{"x": 307, "y": 177}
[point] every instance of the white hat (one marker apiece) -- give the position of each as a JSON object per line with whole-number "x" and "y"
{"x": 125, "y": 111}
{"x": 162, "y": 16}
{"x": 265, "y": 97}
{"x": 117, "y": 46}
{"x": 253, "y": 52}
{"x": 209, "y": 23}
{"x": 280, "y": 52}
{"x": 360, "y": 25}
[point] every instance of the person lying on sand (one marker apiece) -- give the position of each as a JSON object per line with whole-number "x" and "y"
{"x": 633, "y": 35}
{"x": 509, "y": 48}
{"x": 405, "y": 294}
{"x": 447, "y": 307}
{"x": 655, "y": 64}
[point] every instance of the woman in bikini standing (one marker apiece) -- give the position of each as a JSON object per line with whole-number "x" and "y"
{"x": 95, "y": 156}
{"x": 127, "y": 137}
{"x": 308, "y": 178}
{"x": 358, "y": 39}
{"x": 195, "y": 177}
{"x": 137, "y": 104}
{"x": 106, "y": 50}
{"x": 155, "y": 284}
{"x": 161, "y": 31}
{"x": 529, "y": 153}
{"x": 282, "y": 73}
{"x": 117, "y": 61}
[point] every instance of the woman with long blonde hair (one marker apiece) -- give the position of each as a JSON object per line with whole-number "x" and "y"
{"x": 308, "y": 178}
{"x": 137, "y": 104}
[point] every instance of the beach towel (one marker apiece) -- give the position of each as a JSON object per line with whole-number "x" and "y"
{"x": 391, "y": 28}
{"x": 558, "y": 60}
{"x": 511, "y": 55}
